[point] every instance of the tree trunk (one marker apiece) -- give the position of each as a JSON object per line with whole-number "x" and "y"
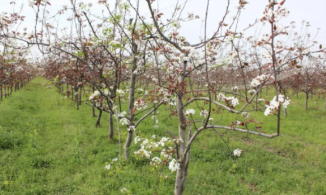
{"x": 307, "y": 97}
{"x": 72, "y": 91}
{"x": 80, "y": 95}
{"x": 93, "y": 109}
{"x": 256, "y": 102}
{"x": 111, "y": 133}
{"x": 131, "y": 101}
{"x": 98, "y": 121}
{"x": 285, "y": 112}
{"x": 180, "y": 180}
{"x": 76, "y": 97}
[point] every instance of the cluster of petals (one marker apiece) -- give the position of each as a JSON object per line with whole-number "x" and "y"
{"x": 142, "y": 153}
{"x": 261, "y": 79}
{"x": 190, "y": 112}
{"x": 232, "y": 100}
{"x": 95, "y": 95}
{"x": 237, "y": 152}
{"x": 174, "y": 165}
{"x": 140, "y": 104}
{"x": 275, "y": 104}
{"x": 203, "y": 113}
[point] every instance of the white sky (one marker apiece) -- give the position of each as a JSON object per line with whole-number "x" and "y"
{"x": 308, "y": 10}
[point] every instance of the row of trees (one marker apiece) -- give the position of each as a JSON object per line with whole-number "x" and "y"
{"x": 15, "y": 71}
{"x": 129, "y": 66}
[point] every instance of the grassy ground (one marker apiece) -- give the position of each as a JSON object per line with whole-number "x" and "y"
{"x": 48, "y": 147}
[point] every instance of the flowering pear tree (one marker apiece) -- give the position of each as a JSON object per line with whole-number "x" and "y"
{"x": 117, "y": 52}
{"x": 15, "y": 71}
{"x": 183, "y": 60}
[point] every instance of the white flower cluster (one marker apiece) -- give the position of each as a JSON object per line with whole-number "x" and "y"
{"x": 189, "y": 50}
{"x": 245, "y": 114}
{"x": 174, "y": 165}
{"x": 306, "y": 51}
{"x": 235, "y": 88}
{"x": 280, "y": 29}
{"x": 229, "y": 38}
{"x": 108, "y": 166}
{"x": 142, "y": 153}
{"x": 132, "y": 128}
{"x": 203, "y": 113}
{"x": 94, "y": 95}
{"x": 124, "y": 191}
{"x": 166, "y": 154}
{"x": 274, "y": 104}
{"x": 140, "y": 104}
{"x": 271, "y": 15}
{"x": 167, "y": 97}
{"x": 121, "y": 114}
{"x": 124, "y": 121}
{"x": 106, "y": 92}
{"x": 147, "y": 146}
{"x": 237, "y": 152}
{"x": 156, "y": 161}
{"x": 155, "y": 80}
{"x": 232, "y": 100}
{"x": 120, "y": 92}
{"x": 251, "y": 92}
{"x": 259, "y": 80}
{"x": 190, "y": 112}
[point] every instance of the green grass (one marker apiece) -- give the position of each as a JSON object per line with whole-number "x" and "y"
{"x": 48, "y": 147}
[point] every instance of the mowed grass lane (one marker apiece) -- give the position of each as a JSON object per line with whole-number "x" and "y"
{"x": 48, "y": 147}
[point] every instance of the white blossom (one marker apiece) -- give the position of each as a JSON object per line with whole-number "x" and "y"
{"x": 237, "y": 152}
{"x": 124, "y": 190}
{"x": 174, "y": 165}
{"x": 107, "y": 167}
{"x": 94, "y": 95}
{"x": 190, "y": 112}
{"x": 203, "y": 113}
{"x": 274, "y": 104}
{"x": 124, "y": 121}
{"x": 156, "y": 161}
{"x": 259, "y": 80}
{"x": 142, "y": 153}
{"x": 132, "y": 128}
{"x": 120, "y": 92}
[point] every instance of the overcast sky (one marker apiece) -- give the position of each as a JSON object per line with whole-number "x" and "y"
{"x": 308, "y": 10}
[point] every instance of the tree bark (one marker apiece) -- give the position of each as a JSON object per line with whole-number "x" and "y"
{"x": 111, "y": 132}
{"x": 180, "y": 180}
{"x": 93, "y": 109}
{"x": 80, "y": 95}
{"x": 307, "y": 97}
{"x": 98, "y": 121}
{"x": 285, "y": 112}
{"x": 76, "y": 97}
{"x": 131, "y": 101}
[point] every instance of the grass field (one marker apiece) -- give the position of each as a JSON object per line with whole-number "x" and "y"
{"x": 48, "y": 147}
